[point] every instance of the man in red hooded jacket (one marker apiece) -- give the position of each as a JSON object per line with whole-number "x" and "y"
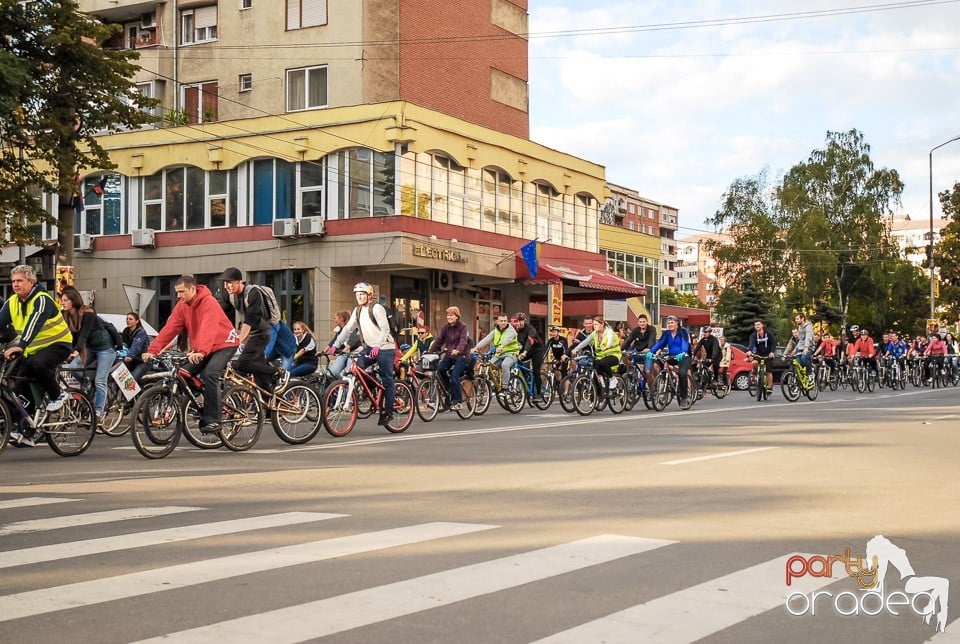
{"x": 213, "y": 341}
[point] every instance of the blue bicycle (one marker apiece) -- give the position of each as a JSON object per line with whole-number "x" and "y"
{"x": 636, "y": 381}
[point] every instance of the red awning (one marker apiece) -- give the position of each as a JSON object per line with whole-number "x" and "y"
{"x": 551, "y": 271}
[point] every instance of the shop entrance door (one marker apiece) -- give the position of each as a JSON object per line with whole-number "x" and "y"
{"x": 409, "y": 305}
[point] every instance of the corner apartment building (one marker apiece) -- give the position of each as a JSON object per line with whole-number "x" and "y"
{"x": 317, "y": 143}
{"x": 697, "y": 268}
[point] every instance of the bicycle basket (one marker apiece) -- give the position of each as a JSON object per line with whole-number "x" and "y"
{"x": 429, "y": 361}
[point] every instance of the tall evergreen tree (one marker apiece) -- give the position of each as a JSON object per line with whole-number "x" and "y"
{"x": 746, "y": 307}
{"x": 946, "y": 255}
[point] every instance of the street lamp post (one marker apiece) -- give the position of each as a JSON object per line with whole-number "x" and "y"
{"x": 930, "y": 259}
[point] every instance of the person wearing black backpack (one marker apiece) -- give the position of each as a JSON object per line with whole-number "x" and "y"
{"x": 250, "y": 311}
{"x": 92, "y": 341}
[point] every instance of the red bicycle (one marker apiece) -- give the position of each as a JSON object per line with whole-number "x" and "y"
{"x": 358, "y": 388}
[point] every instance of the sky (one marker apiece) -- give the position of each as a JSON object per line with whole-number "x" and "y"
{"x": 678, "y": 114}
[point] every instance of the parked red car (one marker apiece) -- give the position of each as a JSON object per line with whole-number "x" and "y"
{"x": 741, "y": 366}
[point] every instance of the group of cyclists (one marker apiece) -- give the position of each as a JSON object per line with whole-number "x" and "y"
{"x": 239, "y": 325}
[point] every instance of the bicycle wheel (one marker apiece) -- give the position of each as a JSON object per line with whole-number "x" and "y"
{"x": 721, "y": 388}
{"x": 70, "y": 430}
{"x": 155, "y": 422}
{"x": 114, "y": 411}
{"x": 428, "y": 399}
{"x": 242, "y": 419}
{"x": 297, "y": 417}
{"x": 812, "y": 392}
{"x": 548, "y": 390}
{"x": 483, "y": 396}
{"x": 686, "y": 402}
{"x": 469, "y": 402}
{"x": 584, "y": 395}
{"x": 752, "y": 387}
{"x": 617, "y": 395}
{"x": 870, "y": 381}
{"x": 661, "y": 394}
{"x": 632, "y": 385}
{"x": 5, "y": 426}
{"x": 339, "y": 409}
{"x": 790, "y": 386}
{"x": 192, "y": 420}
{"x": 402, "y": 409}
{"x": 515, "y": 397}
{"x": 565, "y": 393}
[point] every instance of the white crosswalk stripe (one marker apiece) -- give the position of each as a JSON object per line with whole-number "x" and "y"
{"x": 693, "y": 613}
{"x": 86, "y": 593}
{"x": 336, "y": 614}
{"x": 57, "y": 551}
{"x": 29, "y": 501}
{"x": 74, "y": 520}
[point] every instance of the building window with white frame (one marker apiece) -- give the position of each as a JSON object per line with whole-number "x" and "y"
{"x": 306, "y": 13}
{"x": 311, "y": 190}
{"x": 245, "y": 82}
{"x": 306, "y": 88}
{"x": 246, "y": 4}
{"x": 198, "y": 25}
{"x": 102, "y": 206}
{"x": 199, "y": 102}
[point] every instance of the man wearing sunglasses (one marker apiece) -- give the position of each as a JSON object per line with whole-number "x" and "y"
{"x": 420, "y": 345}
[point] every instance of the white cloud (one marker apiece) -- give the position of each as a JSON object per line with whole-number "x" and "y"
{"x": 679, "y": 125}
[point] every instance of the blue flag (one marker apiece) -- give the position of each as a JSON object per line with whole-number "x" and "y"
{"x": 530, "y": 252}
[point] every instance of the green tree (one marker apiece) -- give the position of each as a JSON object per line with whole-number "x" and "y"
{"x": 833, "y": 207}
{"x": 61, "y": 88}
{"x": 749, "y": 214}
{"x": 740, "y": 307}
{"x": 674, "y": 297}
{"x": 946, "y": 254}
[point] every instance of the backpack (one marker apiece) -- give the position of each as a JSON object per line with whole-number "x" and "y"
{"x": 111, "y": 330}
{"x": 394, "y": 333}
{"x": 270, "y": 299}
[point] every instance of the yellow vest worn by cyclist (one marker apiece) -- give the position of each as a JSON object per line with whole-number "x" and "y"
{"x": 36, "y": 334}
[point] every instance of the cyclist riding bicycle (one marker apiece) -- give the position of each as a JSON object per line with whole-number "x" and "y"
{"x": 762, "y": 344}
{"x": 711, "y": 350}
{"x": 375, "y": 333}
{"x": 640, "y": 340}
{"x": 453, "y": 341}
{"x": 213, "y": 341}
{"x": 45, "y": 342}
{"x": 558, "y": 347}
{"x": 531, "y": 348}
{"x": 503, "y": 340}
{"x": 606, "y": 348}
{"x": 805, "y": 343}
{"x": 677, "y": 342}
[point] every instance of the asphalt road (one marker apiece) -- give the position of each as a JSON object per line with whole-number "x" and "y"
{"x": 642, "y": 527}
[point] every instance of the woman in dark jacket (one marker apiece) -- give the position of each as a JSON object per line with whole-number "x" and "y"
{"x": 136, "y": 341}
{"x": 91, "y": 342}
{"x": 305, "y": 358}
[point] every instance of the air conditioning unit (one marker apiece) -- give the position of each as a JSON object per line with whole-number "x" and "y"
{"x": 284, "y": 227}
{"x": 143, "y": 238}
{"x": 442, "y": 280}
{"x": 148, "y": 20}
{"x": 310, "y": 226}
{"x": 83, "y": 242}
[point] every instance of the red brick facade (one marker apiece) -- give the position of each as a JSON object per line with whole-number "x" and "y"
{"x": 447, "y": 51}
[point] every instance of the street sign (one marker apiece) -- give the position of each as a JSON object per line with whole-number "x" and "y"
{"x": 138, "y": 298}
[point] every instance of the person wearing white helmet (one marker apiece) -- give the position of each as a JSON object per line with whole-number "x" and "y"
{"x": 371, "y": 318}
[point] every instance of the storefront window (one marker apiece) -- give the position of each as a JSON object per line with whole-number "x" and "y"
{"x": 189, "y": 198}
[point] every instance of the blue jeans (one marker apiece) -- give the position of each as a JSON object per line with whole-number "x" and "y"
{"x": 450, "y": 371}
{"x": 304, "y": 369}
{"x": 104, "y": 360}
{"x": 805, "y": 359}
{"x": 338, "y": 365}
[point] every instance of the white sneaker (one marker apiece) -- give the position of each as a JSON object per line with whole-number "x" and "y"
{"x": 57, "y": 403}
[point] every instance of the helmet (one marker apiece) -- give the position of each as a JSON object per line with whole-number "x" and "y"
{"x": 864, "y": 331}
{"x": 854, "y": 328}
{"x": 521, "y": 316}
{"x": 363, "y": 287}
